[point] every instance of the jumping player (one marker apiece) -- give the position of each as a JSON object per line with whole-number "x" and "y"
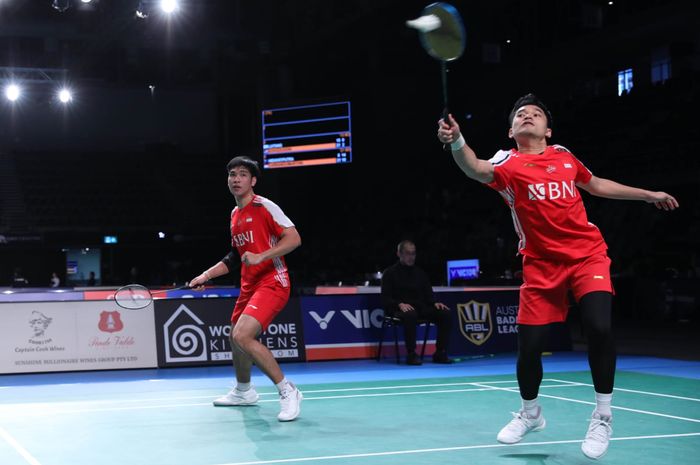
{"x": 561, "y": 251}
{"x": 262, "y": 234}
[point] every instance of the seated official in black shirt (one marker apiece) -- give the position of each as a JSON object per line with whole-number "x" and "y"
{"x": 408, "y": 295}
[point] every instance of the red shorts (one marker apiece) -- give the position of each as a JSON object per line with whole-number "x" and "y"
{"x": 263, "y": 303}
{"x": 543, "y": 295}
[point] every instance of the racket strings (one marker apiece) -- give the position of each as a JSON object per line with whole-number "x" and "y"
{"x": 133, "y": 296}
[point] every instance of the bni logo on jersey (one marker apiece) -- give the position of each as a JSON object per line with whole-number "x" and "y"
{"x": 475, "y": 321}
{"x": 551, "y": 190}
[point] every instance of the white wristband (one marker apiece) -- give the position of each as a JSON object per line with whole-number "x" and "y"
{"x": 459, "y": 143}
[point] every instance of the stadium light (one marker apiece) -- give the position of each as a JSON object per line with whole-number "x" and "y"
{"x": 12, "y": 92}
{"x": 65, "y": 95}
{"x": 169, "y": 6}
{"x": 60, "y": 5}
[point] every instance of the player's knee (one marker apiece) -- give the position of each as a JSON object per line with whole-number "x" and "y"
{"x": 234, "y": 343}
{"x": 599, "y": 333}
{"x": 240, "y": 339}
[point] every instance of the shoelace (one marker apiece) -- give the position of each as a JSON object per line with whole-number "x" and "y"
{"x": 522, "y": 420}
{"x": 522, "y": 416}
{"x": 599, "y": 430}
{"x": 285, "y": 395}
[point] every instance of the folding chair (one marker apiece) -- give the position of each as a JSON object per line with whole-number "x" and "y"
{"x": 395, "y": 322}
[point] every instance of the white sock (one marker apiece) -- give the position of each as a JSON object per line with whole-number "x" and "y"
{"x": 602, "y": 404}
{"x": 243, "y": 386}
{"x": 531, "y": 407}
{"x": 284, "y": 384}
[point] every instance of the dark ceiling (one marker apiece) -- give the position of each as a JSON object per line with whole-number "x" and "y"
{"x": 209, "y": 40}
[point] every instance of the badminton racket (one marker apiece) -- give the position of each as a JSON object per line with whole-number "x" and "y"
{"x": 136, "y": 296}
{"x": 442, "y": 35}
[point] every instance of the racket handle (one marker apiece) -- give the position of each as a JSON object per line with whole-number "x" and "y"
{"x": 445, "y": 114}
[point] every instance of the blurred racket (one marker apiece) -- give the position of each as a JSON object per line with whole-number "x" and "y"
{"x": 136, "y": 296}
{"x": 442, "y": 35}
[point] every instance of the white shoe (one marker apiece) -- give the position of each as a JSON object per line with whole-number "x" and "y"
{"x": 290, "y": 403}
{"x": 519, "y": 426}
{"x": 236, "y": 397}
{"x": 595, "y": 445}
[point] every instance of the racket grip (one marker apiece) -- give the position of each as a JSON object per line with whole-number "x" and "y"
{"x": 445, "y": 114}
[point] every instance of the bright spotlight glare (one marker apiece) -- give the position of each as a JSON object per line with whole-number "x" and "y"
{"x": 12, "y": 92}
{"x": 169, "y": 6}
{"x": 86, "y": 1}
{"x": 65, "y": 96}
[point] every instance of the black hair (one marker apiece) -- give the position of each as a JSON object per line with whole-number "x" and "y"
{"x": 245, "y": 162}
{"x": 530, "y": 99}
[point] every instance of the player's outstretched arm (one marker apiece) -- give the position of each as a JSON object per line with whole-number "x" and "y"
{"x": 215, "y": 271}
{"x": 289, "y": 240}
{"x": 464, "y": 156}
{"x": 614, "y": 190}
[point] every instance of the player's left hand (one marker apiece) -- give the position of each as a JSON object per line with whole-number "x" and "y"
{"x": 441, "y": 306}
{"x": 663, "y": 201}
{"x": 250, "y": 258}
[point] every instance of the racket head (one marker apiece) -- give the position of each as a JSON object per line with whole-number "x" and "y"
{"x": 448, "y": 41}
{"x": 133, "y": 297}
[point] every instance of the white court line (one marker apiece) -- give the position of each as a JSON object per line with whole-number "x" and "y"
{"x": 450, "y": 449}
{"x": 46, "y": 410}
{"x": 614, "y": 407}
{"x": 369, "y": 388}
{"x": 18, "y": 447}
{"x": 410, "y": 393}
{"x": 657, "y": 394}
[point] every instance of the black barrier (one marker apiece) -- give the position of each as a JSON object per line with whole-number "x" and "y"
{"x": 193, "y": 332}
{"x": 483, "y": 322}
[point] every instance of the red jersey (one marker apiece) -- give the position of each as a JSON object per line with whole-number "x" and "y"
{"x": 256, "y": 228}
{"x": 546, "y": 206}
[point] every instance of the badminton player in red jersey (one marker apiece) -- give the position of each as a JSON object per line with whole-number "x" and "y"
{"x": 561, "y": 251}
{"x": 262, "y": 234}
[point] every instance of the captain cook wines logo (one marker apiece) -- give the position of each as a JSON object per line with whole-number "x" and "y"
{"x": 39, "y": 324}
{"x": 40, "y": 342}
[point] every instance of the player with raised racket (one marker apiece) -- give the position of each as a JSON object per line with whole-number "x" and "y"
{"x": 561, "y": 251}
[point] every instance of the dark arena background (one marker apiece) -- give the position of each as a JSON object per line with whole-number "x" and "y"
{"x": 160, "y": 105}
{"x": 123, "y": 176}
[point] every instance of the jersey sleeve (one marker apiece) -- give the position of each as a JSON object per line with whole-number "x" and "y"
{"x": 500, "y": 173}
{"x": 583, "y": 174}
{"x": 277, "y": 220}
